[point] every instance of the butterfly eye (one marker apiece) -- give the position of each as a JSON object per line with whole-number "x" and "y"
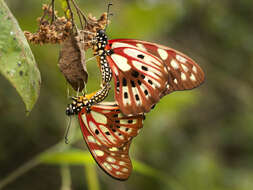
{"x": 69, "y": 110}
{"x": 101, "y": 32}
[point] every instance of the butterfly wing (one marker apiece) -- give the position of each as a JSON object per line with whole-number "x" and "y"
{"x": 108, "y": 135}
{"x": 139, "y": 77}
{"x": 164, "y": 69}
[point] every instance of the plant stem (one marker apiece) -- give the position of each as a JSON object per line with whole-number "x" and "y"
{"x": 66, "y": 178}
{"x": 18, "y": 172}
{"x": 27, "y": 166}
{"x": 91, "y": 177}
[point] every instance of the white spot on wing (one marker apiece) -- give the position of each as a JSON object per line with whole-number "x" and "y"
{"x": 183, "y": 76}
{"x": 124, "y": 170}
{"x": 93, "y": 127}
{"x": 143, "y": 90}
{"x": 175, "y": 81}
{"x": 111, "y": 138}
{"x": 194, "y": 69}
{"x": 103, "y": 128}
{"x": 155, "y": 83}
{"x": 151, "y": 71}
{"x": 123, "y": 121}
{"x": 185, "y": 68}
{"x": 120, "y": 136}
{"x": 136, "y": 93}
{"x": 118, "y": 173}
{"x": 163, "y": 54}
{"x": 122, "y": 163}
{"x": 110, "y": 159}
{"x": 141, "y": 47}
{"x": 113, "y": 149}
{"x": 115, "y": 70}
{"x": 181, "y": 59}
{"x": 115, "y": 166}
{"x": 120, "y": 44}
{"x": 174, "y": 64}
{"x": 121, "y": 62}
{"x": 192, "y": 77}
{"x": 149, "y": 60}
{"x": 84, "y": 120}
{"x": 99, "y": 152}
{"x": 99, "y": 118}
{"x": 91, "y": 139}
{"x": 126, "y": 100}
{"x": 108, "y": 166}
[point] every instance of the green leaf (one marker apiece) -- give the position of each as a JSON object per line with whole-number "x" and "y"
{"x": 74, "y": 157}
{"x": 17, "y": 63}
{"x": 78, "y": 157}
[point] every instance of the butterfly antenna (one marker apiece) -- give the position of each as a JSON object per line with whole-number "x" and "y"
{"x": 67, "y": 90}
{"x": 67, "y": 131}
{"x": 77, "y": 92}
{"x": 108, "y": 14}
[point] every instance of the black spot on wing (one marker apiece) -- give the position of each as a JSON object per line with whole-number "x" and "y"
{"x": 124, "y": 81}
{"x": 140, "y": 56}
{"x": 135, "y": 74}
{"x": 144, "y": 68}
{"x": 137, "y": 97}
{"x": 132, "y": 83}
{"x": 130, "y": 121}
{"x": 150, "y": 82}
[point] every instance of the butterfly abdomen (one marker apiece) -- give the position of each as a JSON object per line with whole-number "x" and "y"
{"x": 105, "y": 70}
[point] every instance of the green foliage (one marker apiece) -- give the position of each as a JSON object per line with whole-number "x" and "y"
{"x": 17, "y": 63}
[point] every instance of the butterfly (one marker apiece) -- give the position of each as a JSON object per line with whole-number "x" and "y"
{"x": 108, "y": 134}
{"x": 143, "y": 72}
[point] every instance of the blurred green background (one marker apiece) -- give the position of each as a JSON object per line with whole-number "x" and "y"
{"x": 192, "y": 140}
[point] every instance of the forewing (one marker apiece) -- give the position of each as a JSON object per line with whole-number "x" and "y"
{"x": 183, "y": 72}
{"x": 140, "y": 78}
{"x": 111, "y": 155}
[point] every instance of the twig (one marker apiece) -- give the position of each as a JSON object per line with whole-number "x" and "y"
{"x": 66, "y": 178}
{"x": 80, "y": 11}
{"x": 53, "y": 16}
{"x": 26, "y": 167}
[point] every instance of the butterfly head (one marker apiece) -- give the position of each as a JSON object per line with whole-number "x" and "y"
{"x": 101, "y": 42}
{"x": 76, "y": 106}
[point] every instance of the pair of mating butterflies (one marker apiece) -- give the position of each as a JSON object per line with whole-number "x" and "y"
{"x": 143, "y": 73}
